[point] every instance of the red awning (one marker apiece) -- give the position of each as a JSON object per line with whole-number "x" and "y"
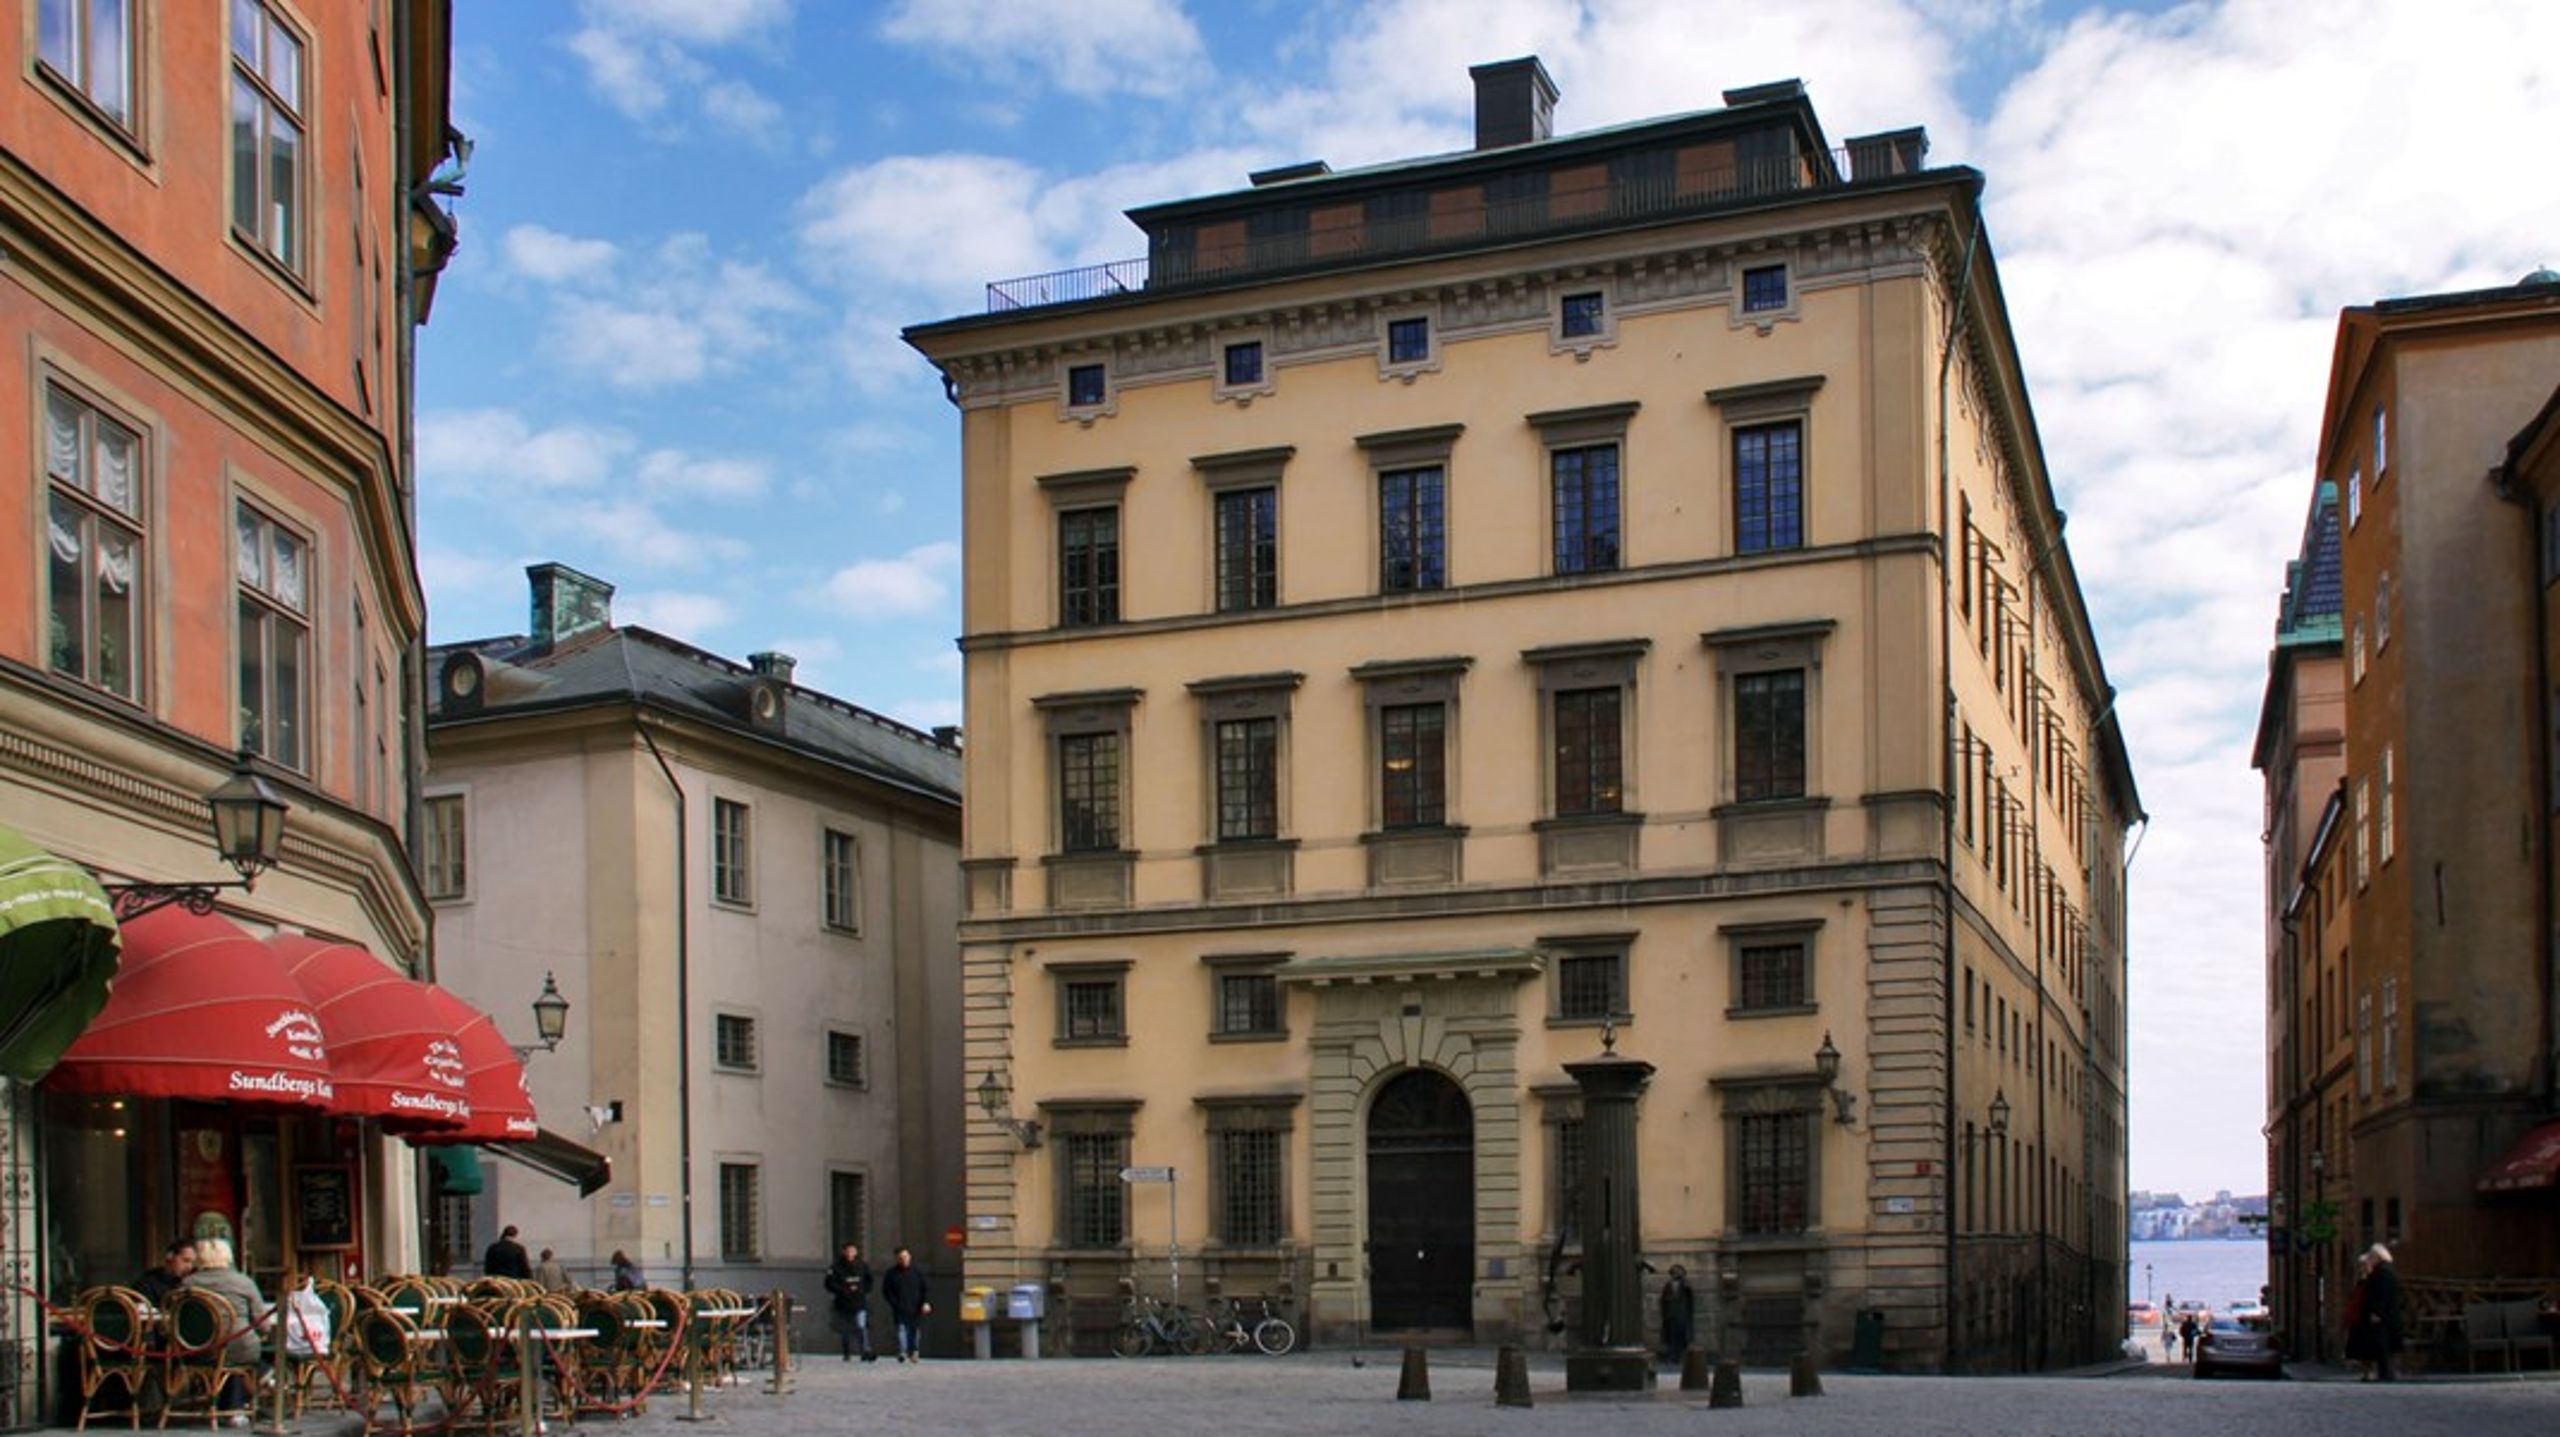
{"x": 391, "y": 1057}
{"x": 2534, "y": 1162}
{"x": 201, "y": 1010}
{"x": 501, "y": 1109}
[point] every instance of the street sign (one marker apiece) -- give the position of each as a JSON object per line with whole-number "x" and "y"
{"x": 955, "y": 1236}
{"x": 1146, "y": 1175}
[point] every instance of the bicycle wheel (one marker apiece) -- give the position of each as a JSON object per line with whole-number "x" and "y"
{"x": 1132, "y": 1340}
{"x": 1194, "y": 1335}
{"x": 1275, "y": 1337}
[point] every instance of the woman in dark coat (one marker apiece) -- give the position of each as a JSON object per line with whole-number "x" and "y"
{"x": 1679, "y": 1314}
{"x": 849, "y": 1306}
{"x": 2377, "y": 1335}
{"x": 902, "y": 1287}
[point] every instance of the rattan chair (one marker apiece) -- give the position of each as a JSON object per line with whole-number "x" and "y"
{"x": 396, "y": 1368}
{"x": 113, "y": 1348}
{"x": 201, "y": 1326}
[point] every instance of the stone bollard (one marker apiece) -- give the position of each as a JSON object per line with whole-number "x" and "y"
{"x": 1511, "y": 1379}
{"x": 1804, "y": 1376}
{"x": 1415, "y": 1385}
{"x": 1727, "y": 1389}
{"x": 1695, "y": 1364}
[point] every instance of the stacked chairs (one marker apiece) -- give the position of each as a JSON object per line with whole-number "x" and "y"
{"x": 395, "y": 1367}
{"x": 113, "y": 1349}
{"x": 199, "y": 1367}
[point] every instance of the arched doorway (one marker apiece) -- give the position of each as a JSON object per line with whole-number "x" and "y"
{"x": 1422, "y": 1204}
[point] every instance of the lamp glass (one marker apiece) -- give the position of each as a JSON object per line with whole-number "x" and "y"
{"x": 551, "y": 1013}
{"x": 248, "y": 820}
{"x": 1826, "y": 1059}
{"x": 2000, "y": 1112}
{"x": 991, "y": 1094}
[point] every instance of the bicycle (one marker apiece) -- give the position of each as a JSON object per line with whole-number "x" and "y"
{"x": 1261, "y": 1330}
{"x": 1148, "y": 1325}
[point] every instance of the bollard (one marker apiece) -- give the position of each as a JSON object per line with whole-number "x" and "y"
{"x": 1415, "y": 1385}
{"x": 781, "y": 1344}
{"x": 1695, "y": 1365}
{"x": 1511, "y": 1379}
{"x": 1727, "y": 1388}
{"x": 277, "y": 1361}
{"x": 1804, "y": 1376}
{"x": 528, "y": 1377}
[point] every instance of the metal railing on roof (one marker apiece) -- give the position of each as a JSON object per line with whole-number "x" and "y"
{"x": 1314, "y": 235}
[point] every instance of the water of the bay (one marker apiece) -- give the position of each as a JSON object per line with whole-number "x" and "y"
{"x": 2214, "y": 1271}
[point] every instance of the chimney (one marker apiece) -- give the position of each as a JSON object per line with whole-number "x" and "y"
{"x": 566, "y": 604}
{"x": 1515, "y": 103}
{"x": 773, "y": 664}
{"x": 947, "y": 735}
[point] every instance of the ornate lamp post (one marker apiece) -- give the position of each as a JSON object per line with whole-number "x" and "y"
{"x": 1609, "y": 1354}
{"x": 550, "y": 1020}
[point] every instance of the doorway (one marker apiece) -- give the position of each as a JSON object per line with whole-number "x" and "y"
{"x": 1422, "y": 1205}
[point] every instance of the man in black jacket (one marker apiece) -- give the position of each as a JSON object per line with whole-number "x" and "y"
{"x": 902, "y": 1287}
{"x": 849, "y": 1314}
{"x": 506, "y": 1257}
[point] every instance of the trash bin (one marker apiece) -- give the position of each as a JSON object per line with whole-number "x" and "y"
{"x": 1866, "y": 1349}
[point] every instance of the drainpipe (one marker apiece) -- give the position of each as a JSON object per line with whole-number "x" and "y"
{"x": 1948, "y": 759}
{"x": 684, "y": 1007}
{"x": 2538, "y": 665}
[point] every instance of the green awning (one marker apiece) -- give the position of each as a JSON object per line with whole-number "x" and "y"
{"x": 58, "y": 953}
{"x": 457, "y": 1171}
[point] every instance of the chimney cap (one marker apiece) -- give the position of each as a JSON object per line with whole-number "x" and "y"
{"x": 773, "y": 664}
{"x": 1515, "y": 102}
{"x": 1763, "y": 94}
{"x": 1282, "y": 174}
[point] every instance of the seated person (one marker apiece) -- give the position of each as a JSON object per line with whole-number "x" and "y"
{"x": 215, "y": 1274}
{"x": 176, "y": 1261}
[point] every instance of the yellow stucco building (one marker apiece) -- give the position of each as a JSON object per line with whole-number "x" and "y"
{"x": 1427, "y": 621}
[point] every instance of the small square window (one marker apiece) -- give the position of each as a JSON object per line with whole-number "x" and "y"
{"x": 1408, "y": 340}
{"x": 1084, "y": 386}
{"x": 1584, "y": 314}
{"x": 1772, "y": 975}
{"x": 1244, "y": 363}
{"x": 1089, "y": 1009}
{"x": 1764, "y": 288}
{"x": 733, "y": 1042}
{"x": 844, "y": 1060}
{"x": 1591, "y": 987}
{"x": 1248, "y": 1005}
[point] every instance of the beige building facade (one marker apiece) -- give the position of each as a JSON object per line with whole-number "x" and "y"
{"x": 1438, "y": 621}
{"x": 747, "y": 890}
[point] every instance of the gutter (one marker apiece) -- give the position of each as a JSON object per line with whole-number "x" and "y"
{"x": 684, "y": 1008}
{"x": 1948, "y": 759}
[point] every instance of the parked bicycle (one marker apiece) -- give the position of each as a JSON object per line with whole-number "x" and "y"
{"x": 1150, "y": 1326}
{"x": 1253, "y": 1327}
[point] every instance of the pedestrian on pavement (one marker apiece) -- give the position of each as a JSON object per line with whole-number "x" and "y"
{"x": 550, "y": 1272}
{"x": 1679, "y": 1314}
{"x": 506, "y": 1257}
{"x": 902, "y": 1287}
{"x": 849, "y": 1313}
{"x": 2188, "y": 1330}
{"x": 2168, "y": 1338}
{"x": 626, "y": 1273}
{"x": 2376, "y": 1337}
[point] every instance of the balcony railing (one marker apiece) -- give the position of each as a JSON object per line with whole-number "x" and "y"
{"x": 1313, "y": 235}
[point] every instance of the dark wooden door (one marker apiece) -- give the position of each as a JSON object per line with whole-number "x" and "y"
{"x": 1422, "y": 1204}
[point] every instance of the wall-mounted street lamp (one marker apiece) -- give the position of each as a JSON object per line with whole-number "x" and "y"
{"x": 1844, "y": 1103}
{"x": 996, "y": 1103}
{"x": 1999, "y": 1112}
{"x": 248, "y": 831}
{"x": 550, "y": 1020}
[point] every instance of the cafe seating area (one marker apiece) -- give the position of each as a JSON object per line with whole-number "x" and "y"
{"x": 408, "y": 1354}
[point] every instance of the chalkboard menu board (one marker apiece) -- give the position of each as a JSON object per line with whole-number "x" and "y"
{"x": 324, "y": 1207}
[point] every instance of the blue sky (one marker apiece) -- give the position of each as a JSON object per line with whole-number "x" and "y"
{"x": 667, "y": 353}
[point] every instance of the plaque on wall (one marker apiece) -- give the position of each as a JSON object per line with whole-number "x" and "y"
{"x": 324, "y": 1207}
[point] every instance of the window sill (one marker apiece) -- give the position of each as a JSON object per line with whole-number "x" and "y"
{"x": 839, "y": 930}
{"x": 1623, "y": 1020}
{"x": 726, "y": 1071}
{"x": 286, "y": 276}
{"x": 842, "y": 1086}
{"x": 91, "y": 115}
{"x": 1619, "y": 817}
{"x": 1795, "y": 803}
{"x": 1121, "y": 1041}
{"x": 733, "y": 905}
{"x": 1280, "y": 1035}
{"x": 1797, "y": 1010}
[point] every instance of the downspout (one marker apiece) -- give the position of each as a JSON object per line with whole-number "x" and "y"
{"x": 1948, "y": 759}
{"x": 2538, "y": 664}
{"x": 684, "y": 1005}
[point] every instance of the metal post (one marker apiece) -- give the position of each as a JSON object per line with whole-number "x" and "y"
{"x": 528, "y": 1377}
{"x": 781, "y": 1343}
{"x": 1173, "y": 1203}
{"x": 277, "y": 1361}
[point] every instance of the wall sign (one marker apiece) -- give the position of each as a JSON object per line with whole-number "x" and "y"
{"x": 324, "y": 1207}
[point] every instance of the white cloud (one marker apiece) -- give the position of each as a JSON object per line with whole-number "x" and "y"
{"x": 637, "y": 534}
{"x": 675, "y": 612}
{"x": 1104, "y": 47}
{"x": 693, "y": 22}
{"x": 498, "y": 449}
{"x": 624, "y": 70}
{"x": 685, "y": 315}
{"x": 915, "y": 582}
{"x": 742, "y": 109}
{"x": 639, "y": 55}
{"x": 553, "y": 258}
{"x": 674, "y": 473}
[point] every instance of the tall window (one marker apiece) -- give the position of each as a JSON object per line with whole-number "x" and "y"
{"x": 2381, "y": 440}
{"x": 841, "y": 859}
{"x": 1089, "y": 566}
{"x": 1412, "y": 530}
{"x": 1768, "y": 487}
{"x": 1094, "y": 1202}
{"x": 266, "y": 132}
{"x": 844, "y": 1059}
{"x": 93, "y": 544}
{"x": 741, "y": 1227}
{"x": 2384, "y": 843}
{"x": 446, "y": 872}
{"x": 1413, "y": 765}
{"x": 1586, "y": 509}
{"x": 1774, "y": 1192}
{"x": 89, "y": 44}
{"x": 2355, "y": 496}
{"x": 275, "y": 637}
{"x": 2390, "y": 1034}
{"x": 732, "y": 877}
{"x": 1248, "y": 778}
{"x": 848, "y": 1207}
{"x": 1088, "y": 792}
{"x": 1587, "y": 739}
{"x": 361, "y": 749}
{"x": 1768, "y": 735}
{"x": 1591, "y": 986}
{"x": 1089, "y": 1008}
{"x": 1249, "y": 1211}
{"x": 733, "y": 1042}
{"x": 1248, "y": 540}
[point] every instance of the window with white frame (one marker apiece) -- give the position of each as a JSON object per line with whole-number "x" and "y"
{"x": 445, "y": 872}
{"x": 2355, "y": 497}
{"x": 2381, "y": 441}
{"x": 2364, "y": 835}
{"x": 2382, "y": 612}
{"x": 2390, "y": 1034}
{"x": 732, "y": 877}
{"x": 268, "y": 145}
{"x": 2385, "y": 843}
{"x": 2355, "y": 651}
{"x": 93, "y": 545}
{"x": 275, "y": 638}
{"x": 840, "y": 858}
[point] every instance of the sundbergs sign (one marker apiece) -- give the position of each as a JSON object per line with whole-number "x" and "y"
{"x": 450, "y": 1099}
{"x": 298, "y": 1035}
{"x": 390, "y": 1054}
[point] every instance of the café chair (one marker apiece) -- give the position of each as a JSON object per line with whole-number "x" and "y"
{"x": 113, "y": 1348}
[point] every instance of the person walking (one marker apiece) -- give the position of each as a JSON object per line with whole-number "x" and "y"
{"x": 1679, "y": 1314}
{"x": 214, "y": 1273}
{"x": 626, "y": 1273}
{"x": 849, "y": 1312}
{"x": 506, "y": 1257}
{"x": 552, "y": 1273}
{"x": 2375, "y": 1338}
{"x": 902, "y": 1287}
{"x": 2188, "y": 1330}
